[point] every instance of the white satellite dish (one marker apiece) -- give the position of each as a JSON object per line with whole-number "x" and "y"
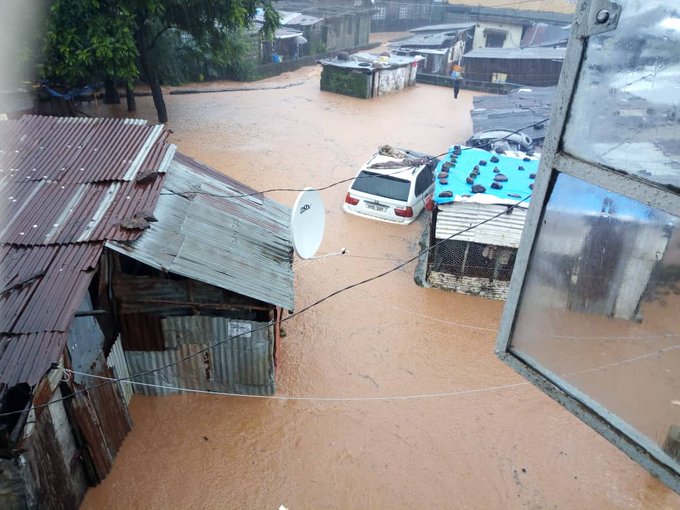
{"x": 307, "y": 223}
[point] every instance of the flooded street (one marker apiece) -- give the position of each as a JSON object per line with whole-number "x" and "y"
{"x": 422, "y": 415}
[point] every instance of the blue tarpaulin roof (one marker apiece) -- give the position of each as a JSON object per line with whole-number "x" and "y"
{"x": 517, "y": 167}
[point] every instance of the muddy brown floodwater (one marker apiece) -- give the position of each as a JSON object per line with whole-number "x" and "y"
{"x": 491, "y": 441}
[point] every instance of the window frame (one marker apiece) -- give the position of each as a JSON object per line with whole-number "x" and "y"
{"x": 554, "y": 161}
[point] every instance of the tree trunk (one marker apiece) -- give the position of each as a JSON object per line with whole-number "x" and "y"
{"x": 111, "y": 92}
{"x": 157, "y": 94}
{"x": 152, "y": 77}
{"x": 130, "y": 96}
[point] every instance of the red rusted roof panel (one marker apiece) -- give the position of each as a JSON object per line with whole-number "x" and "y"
{"x": 26, "y": 358}
{"x": 42, "y": 286}
{"x": 66, "y": 185}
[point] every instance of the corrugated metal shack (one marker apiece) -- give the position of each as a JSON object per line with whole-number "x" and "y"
{"x": 66, "y": 186}
{"x": 215, "y": 268}
{"x": 539, "y": 67}
{"x": 365, "y": 75}
{"x": 440, "y": 45}
{"x": 79, "y": 288}
{"x": 473, "y": 185}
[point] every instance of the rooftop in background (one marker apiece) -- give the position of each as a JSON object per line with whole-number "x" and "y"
{"x": 291, "y": 18}
{"x": 367, "y": 61}
{"x": 515, "y": 111}
{"x": 430, "y": 39}
{"x": 517, "y": 167}
{"x": 518, "y": 53}
{"x": 447, "y": 27}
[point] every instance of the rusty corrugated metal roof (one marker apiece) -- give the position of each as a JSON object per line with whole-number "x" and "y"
{"x": 42, "y": 286}
{"x": 66, "y": 184}
{"x": 208, "y": 232}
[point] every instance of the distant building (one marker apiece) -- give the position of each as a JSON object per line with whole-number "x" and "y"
{"x": 365, "y": 75}
{"x": 401, "y": 15}
{"x": 120, "y": 256}
{"x": 480, "y": 260}
{"x": 312, "y": 28}
{"x": 497, "y": 69}
{"x": 441, "y": 46}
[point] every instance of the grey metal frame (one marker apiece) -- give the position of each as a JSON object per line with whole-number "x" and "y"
{"x": 590, "y": 19}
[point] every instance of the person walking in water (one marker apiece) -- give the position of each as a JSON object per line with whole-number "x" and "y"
{"x": 457, "y": 77}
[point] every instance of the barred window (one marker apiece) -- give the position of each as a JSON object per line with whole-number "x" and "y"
{"x": 463, "y": 258}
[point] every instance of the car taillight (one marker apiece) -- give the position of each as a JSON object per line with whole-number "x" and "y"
{"x": 405, "y": 212}
{"x": 351, "y": 200}
{"x": 429, "y": 203}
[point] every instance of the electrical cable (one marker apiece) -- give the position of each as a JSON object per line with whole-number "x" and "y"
{"x": 111, "y": 380}
{"x": 285, "y": 319}
{"x": 328, "y": 186}
{"x": 509, "y": 208}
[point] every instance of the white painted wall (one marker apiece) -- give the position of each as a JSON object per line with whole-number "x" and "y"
{"x": 512, "y": 39}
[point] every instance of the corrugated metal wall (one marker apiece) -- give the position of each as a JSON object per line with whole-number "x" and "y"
{"x": 506, "y": 230}
{"x": 239, "y": 365}
{"x": 117, "y": 362}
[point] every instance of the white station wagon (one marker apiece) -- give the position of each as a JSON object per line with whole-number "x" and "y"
{"x": 393, "y": 189}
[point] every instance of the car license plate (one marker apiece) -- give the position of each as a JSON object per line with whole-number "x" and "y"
{"x": 376, "y": 207}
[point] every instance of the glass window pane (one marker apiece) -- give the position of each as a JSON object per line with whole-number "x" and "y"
{"x": 626, "y": 110}
{"x": 382, "y": 185}
{"x": 600, "y": 306}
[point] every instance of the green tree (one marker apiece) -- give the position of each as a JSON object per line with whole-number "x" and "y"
{"x": 105, "y": 39}
{"x": 90, "y": 40}
{"x": 209, "y": 22}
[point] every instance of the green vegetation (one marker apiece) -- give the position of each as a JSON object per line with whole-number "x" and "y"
{"x": 87, "y": 40}
{"x": 345, "y": 82}
{"x": 94, "y": 40}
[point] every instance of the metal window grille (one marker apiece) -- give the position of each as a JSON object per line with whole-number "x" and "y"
{"x": 476, "y": 260}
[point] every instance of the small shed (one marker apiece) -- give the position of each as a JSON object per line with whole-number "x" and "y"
{"x": 365, "y": 75}
{"x": 213, "y": 274}
{"x": 538, "y": 67}
{"x": 474, "y": 185}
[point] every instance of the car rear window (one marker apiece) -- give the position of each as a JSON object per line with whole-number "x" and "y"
{"x": 384, "y": 186}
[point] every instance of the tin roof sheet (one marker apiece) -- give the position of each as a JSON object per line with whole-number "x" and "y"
{"x": 66, "y": 180}
{"x": 425, "y": 41}
{"x": 515, "y": 188}
{"x": 26, "y": 358}
{"x": 454, "y": 220}
{"x": 447, "y": 27}
{"x": 65, "y": 186}
{"x": 533, "y": 53}
{"x": 514, "y": 111}
{"x": 206, "y": 231}
{"x": 363, "y": 61}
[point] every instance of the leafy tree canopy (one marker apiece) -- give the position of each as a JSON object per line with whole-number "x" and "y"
{"x": 89, "y": 41}
{"x": 108, "y": 38}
